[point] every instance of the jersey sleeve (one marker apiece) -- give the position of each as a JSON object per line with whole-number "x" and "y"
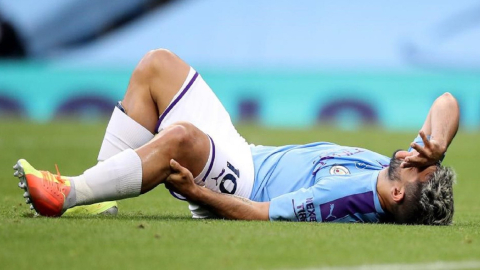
{"x": 333, "y": 199}
{"x": 293, "y": 206}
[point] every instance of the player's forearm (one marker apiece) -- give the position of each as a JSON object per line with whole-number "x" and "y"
{"x": 443, "y": 119}
{"x": 229, "y": 206}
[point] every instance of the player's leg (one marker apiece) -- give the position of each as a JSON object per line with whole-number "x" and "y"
{"x": 183, "y": 142}
{"x": 125, "y": 175}
{"x": 197, "y": 103}
{"x": 165, "y": 82}
{"x": 154, "y": 82}
{"x": 194, "y": 102}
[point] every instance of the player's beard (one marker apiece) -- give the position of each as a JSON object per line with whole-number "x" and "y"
{"x": 394, "y": 167}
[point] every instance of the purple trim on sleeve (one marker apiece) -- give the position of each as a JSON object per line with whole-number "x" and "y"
{"x": 170, "y": 107}
{"x": 361, "y": 203}
{"x": 211, "y": 161}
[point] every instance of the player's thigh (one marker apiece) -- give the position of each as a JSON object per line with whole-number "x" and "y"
{"x": 154, "y": 82}
{"x": 229, "y": 169}
{"x": 196, "y": 103}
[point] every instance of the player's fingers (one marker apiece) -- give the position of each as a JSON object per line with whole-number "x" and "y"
{"x": 416, "y": 161}
{"x": 419, "y": 149}
{"x": 425, "y": 140}
{"x": 182, "y": 171}
{"x": 416, "y": 158}
{"x": 175, "y": 166}
{"x": 402, "y": 154}
{"x": 409, "y": 165}
{"x": 405, "y": 164}
{"x": 174, "y": 177}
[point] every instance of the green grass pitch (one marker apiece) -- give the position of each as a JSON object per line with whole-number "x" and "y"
{"x": 155, "y": 231}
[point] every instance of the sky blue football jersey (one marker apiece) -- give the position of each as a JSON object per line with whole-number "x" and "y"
{"x": 321, "y": 182}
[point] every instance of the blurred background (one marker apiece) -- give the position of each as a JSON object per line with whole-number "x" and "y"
{"x": 359, "y": 73}
{"x": 274, "y": 63}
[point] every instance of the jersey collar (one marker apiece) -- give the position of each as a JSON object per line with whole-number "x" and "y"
{"x": 376, "y": 200}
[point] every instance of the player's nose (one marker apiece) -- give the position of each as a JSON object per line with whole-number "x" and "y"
{"x": 402, "y": 154}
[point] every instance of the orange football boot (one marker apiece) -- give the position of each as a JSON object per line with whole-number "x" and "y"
{"x": 46, "y": 192}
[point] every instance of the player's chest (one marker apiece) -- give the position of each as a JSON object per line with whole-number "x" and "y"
{"x": 342, "y": 167}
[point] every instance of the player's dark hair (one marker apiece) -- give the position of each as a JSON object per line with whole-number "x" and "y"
{"x": 429, "y": 202}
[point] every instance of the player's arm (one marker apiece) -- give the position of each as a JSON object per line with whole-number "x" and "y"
{"x": 441, "y": 125}
{"x": 227, "y": 206}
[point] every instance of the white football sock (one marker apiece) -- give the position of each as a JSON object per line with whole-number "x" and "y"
{"x": 122, "y": 133}
{"x": 116, "y": 178}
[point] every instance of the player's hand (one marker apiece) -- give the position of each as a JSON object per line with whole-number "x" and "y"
{"x": 421, "y": 157}
{"x": 180, "y": 180}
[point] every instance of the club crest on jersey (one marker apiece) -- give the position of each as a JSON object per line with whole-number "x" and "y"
{"x": 339, "y": 170}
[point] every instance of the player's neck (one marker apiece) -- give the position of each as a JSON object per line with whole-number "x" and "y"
{"x": 383, "y": 190}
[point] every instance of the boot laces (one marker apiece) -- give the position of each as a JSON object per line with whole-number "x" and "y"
{"x": 58, "y": 176}
{"x": 50, "y": 177}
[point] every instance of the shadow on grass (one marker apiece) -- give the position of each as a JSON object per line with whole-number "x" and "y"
{"x": 138, "y": 216}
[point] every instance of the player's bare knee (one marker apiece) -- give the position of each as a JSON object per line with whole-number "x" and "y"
{"x": 187, "y": 138}
{"x": 189, "y": 134}
{"x": 181, "y": 136}
{"x": 178, "y": 137}
{"x": 152, "y": 61}
{"x": 160, "y": 59}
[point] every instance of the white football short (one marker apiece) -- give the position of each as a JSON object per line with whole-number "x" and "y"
{"x": 229, "y": 168}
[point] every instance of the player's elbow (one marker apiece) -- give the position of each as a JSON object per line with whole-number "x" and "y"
{"x": 447, "y": 101}
{"x": 448, "y": 97}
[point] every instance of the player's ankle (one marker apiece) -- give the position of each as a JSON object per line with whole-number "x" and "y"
{"x": 71, "y": 199}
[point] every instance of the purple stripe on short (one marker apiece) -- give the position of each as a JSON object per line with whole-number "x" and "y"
{"x": 170, "y": 107}
{"x": 211, "y": 161}
{"x": 362, "y": 203}
{"x": 177, "y": 196}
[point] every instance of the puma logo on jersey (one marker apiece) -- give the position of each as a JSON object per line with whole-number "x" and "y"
{"x": 332, "y": 206}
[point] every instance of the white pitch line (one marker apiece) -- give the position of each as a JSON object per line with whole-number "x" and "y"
{"x": 414, "y": 266}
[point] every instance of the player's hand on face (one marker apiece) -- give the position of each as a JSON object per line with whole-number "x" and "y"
{"x": 180, "y": 180}
{"x": 430, "y": 154}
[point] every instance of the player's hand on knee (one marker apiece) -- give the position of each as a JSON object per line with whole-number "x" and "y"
{"x": 180, "y": 180}
{"x": 431, "y": 153}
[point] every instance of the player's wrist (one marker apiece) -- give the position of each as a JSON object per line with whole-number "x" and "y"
{"x": 442, "y": 148}
{"x": 194, "y": 193}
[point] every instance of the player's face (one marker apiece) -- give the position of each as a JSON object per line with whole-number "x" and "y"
{"x": 417, "y": 174}
{"x": 408, "y": 174}
{"x": 394, "y": 167}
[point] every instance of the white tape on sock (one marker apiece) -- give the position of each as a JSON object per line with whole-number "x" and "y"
{"x": 122, "y": 133}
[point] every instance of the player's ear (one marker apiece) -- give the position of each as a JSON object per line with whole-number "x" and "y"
{"x": 397, "y": 193}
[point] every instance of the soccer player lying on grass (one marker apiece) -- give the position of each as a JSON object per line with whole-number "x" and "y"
{"x": 200, "y": 157}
